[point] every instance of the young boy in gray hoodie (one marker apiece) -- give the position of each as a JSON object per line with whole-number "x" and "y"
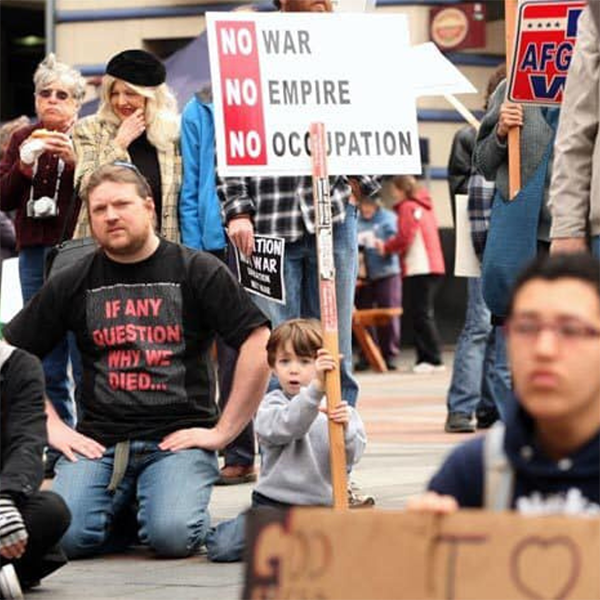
{"x": 291, "y": 425}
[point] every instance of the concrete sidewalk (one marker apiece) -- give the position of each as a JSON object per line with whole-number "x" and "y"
{"x": 404, "y": 415}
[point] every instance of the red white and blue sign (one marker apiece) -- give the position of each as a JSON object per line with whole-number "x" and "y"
{"x": 544, "y": 42}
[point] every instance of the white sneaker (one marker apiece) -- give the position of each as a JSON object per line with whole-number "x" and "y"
{"x": 426, "y": 368}
{"x": 9, "y": 584}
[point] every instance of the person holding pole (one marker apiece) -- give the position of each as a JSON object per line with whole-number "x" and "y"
{"x": 291, "y": 425}
{"x": 283, "y": 206}
{"x": 519, "y": 225}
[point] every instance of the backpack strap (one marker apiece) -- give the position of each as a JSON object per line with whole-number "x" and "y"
{"x": 498, "y": 473}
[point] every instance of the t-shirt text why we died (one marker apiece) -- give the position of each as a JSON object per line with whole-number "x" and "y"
{"x": 150, "y": 345}
{"x": 246, "y": 140}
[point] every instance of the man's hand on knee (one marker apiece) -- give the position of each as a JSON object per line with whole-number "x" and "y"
{"x": 195, "y": 437}
{"x": 68, "y": 441}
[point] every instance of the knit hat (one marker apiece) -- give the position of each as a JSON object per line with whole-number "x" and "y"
{"x": 138, "y": 67}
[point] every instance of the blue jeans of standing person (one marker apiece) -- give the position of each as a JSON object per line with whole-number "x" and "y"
{"x": 596, "y": 245}
{"x": 31, "y": 272}
{"x": 172, "y": 491}
{"x": 472, "y": 387}
{"x": 302, "y": 290}
{"x": 502, "y": 379}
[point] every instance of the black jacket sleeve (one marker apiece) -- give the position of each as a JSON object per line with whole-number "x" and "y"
{"x": 23, "y": 424}
{"x": 459, "y": 163}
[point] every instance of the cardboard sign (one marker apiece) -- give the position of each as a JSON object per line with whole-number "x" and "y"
{"x": 544, "y": 43}
{"x": 262, "y": 273}
{"x": 275, "y": 74}
{"x": 326, "y": 554}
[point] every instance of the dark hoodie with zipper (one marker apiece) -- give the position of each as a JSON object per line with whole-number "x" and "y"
{"x": 462, "y": 474}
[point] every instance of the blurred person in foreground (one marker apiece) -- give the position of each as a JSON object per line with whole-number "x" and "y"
{"x": 546, "y": 457}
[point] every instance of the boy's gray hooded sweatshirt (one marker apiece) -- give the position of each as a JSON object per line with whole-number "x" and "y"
{"x": 295, "y": 447}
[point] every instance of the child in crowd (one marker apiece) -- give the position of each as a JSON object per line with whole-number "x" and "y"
{"x": 381, "y": 286}
{"x": 291, "y": 425}
{"x": 420, "y": 249}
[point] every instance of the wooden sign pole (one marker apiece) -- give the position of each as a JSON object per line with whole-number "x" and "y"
{"x": 514, "y": 133}
{"x": 329, "y": 320}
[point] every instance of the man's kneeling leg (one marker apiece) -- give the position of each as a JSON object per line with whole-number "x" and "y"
{"x": 173, "y": 495}
{"x": 83, "y": 485}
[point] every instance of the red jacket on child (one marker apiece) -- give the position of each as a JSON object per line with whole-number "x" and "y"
{"x": 418, "y": 239}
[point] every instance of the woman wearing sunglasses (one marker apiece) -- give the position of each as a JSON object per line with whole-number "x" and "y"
{"x": 137, "y": 123}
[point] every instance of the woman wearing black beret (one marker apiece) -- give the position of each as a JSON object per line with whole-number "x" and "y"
{"x": 137, "y": 122}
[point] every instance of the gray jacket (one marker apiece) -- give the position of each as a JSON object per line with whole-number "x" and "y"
{"x": 575, "y": 190}
{"x": 491, "y": 155}
{"x": 295, "y": 447}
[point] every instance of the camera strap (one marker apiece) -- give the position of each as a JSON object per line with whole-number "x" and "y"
{"x": 60, "y": 167}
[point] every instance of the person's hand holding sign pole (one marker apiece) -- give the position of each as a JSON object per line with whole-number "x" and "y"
{"x": 329, "y": 320}
{"x": 514, "y": 133}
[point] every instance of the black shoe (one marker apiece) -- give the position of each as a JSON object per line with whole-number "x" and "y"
{"x": 458, "y": 423}
{"x": 362, "y": 365}
{"x": 391, "y": 366}
{"x": 486, "y": 419}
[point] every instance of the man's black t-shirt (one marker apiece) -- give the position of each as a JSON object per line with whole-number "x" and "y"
{"x": 144, "y": 331}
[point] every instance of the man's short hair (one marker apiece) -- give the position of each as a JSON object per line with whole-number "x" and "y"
{"x": 581, "y": 266}
{"x": 305, "y": 336}
{"x": 119, "y": 172}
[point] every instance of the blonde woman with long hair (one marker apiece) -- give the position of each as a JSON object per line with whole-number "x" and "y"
{"x": 137, "y": 123}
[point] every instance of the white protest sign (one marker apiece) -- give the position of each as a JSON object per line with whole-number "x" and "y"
{"x": 434, "y": 75}
{"x": 275, "y": 74}
{"x": 262, "y": 273}
{"x": 466, "y": 263}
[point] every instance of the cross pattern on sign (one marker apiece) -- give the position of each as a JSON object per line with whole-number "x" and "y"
{"x": 546, "y": 33}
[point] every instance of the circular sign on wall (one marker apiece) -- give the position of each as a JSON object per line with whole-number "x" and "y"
{"x": 449, "y": 28}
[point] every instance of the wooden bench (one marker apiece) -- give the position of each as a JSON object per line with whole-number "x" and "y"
{"x": 372, "y": 317}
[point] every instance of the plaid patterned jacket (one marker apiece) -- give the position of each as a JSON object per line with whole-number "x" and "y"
{"x": 283, "y": 206}
{"x": 481, "y": 196}
{"x": 94, "y": 147}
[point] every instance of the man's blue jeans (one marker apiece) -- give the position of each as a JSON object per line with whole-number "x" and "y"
{"x": 31, "y": 272}
{"x": 596, "y": 245}
{"x": 302, "y": 290}
{"x": 472, "y": 388}
{"x": 172, "y": 491}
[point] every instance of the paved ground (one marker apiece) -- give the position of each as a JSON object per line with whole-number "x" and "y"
{"x": 404, "y": 415}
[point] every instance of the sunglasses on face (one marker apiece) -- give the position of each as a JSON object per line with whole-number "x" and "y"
{"x": 59, "y": 94}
